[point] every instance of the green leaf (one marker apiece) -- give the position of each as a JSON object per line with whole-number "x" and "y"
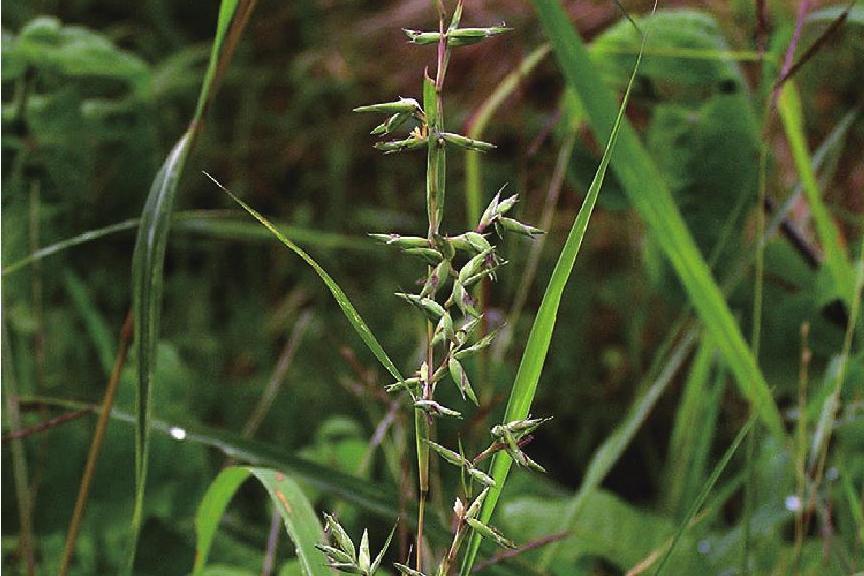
{"x": 149, "y": 258}
{"x": 46, "y": 44}
{"x": 836, "y": 260}
{"x": 531, "y": 365}
{"x": 610, "y": 528}
{"x": 210, "y": 511}
{"x": 706, "y": 490}
{"x": 649, "y": 195}
{"x": 378, "y": 559}
{"x": 208, "y": 223}
{"x": 296, "y": 512}
{"x": 339, "y": 295}
{"x": 147, "y": 277}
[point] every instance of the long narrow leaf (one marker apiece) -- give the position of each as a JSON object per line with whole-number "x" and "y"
{"x": 149, "y": 257}
{"x": 531, "y": 365}
{"x": 644, "y": 186}
{"x": 706, "y": 490}
{"x": 339, "y": 295}
{"x": 836, "y": 260}
{"x": 373, "y": 497}
{"x": 297, "y": 514}
{"x": 208, "y": 223}
{"x": 377, "y": 498}
{"x": 147, "y": 278}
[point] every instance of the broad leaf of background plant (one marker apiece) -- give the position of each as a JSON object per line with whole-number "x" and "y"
{"x": 149, "y": 256}
{"x": 703, "y": 134}
{"x": 46, "y": 44}
{"x": 297, "y": 514}
{"x": 650, "y": 196}
{"x": 531, "y": 365}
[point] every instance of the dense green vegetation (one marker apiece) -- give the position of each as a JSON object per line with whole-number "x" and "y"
{"x": 690, "y": 322}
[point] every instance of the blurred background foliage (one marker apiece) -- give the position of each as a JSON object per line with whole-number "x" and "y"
{"x": 96, "y": 91}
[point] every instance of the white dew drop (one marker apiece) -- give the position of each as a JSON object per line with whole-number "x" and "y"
{"x": 177, "y": 433}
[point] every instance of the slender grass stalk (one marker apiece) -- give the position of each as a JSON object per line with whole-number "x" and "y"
{"x": 96, "y": 447}
{"x": 44, "y": 425}
{"x": 706, "y": 490}
{"x": 265, "y": 401}
{"x": 19, "y": 460}
{"x": 801, "y": 441}
{"x": 476, "y": 128}
{"x": 272, "y": 545}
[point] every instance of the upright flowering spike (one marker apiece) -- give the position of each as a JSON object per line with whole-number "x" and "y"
{"x": 465, "y": 259}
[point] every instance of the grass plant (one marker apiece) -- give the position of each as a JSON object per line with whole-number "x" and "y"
{"x": 474, "y": 340}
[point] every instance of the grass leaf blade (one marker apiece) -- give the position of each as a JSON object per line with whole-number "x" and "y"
{"x": 211, "y": 509}
{"x": 149, "y": 256}
{"x": 789, "y": 108}
{"x": 531, "y": 365}
{"x": 299, "y": 519}
{"x": 650, "y": 196}
{"x": 297, "y": 514}
{"x": 706, "y": 490}
{"x": 147, "y": 277}
{"x": 339, "y": 295}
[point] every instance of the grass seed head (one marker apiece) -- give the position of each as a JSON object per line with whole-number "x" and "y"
{"x": 403, "y": 105}
{"x": 490, "y": 533}
{"x": 465, "y": 142}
